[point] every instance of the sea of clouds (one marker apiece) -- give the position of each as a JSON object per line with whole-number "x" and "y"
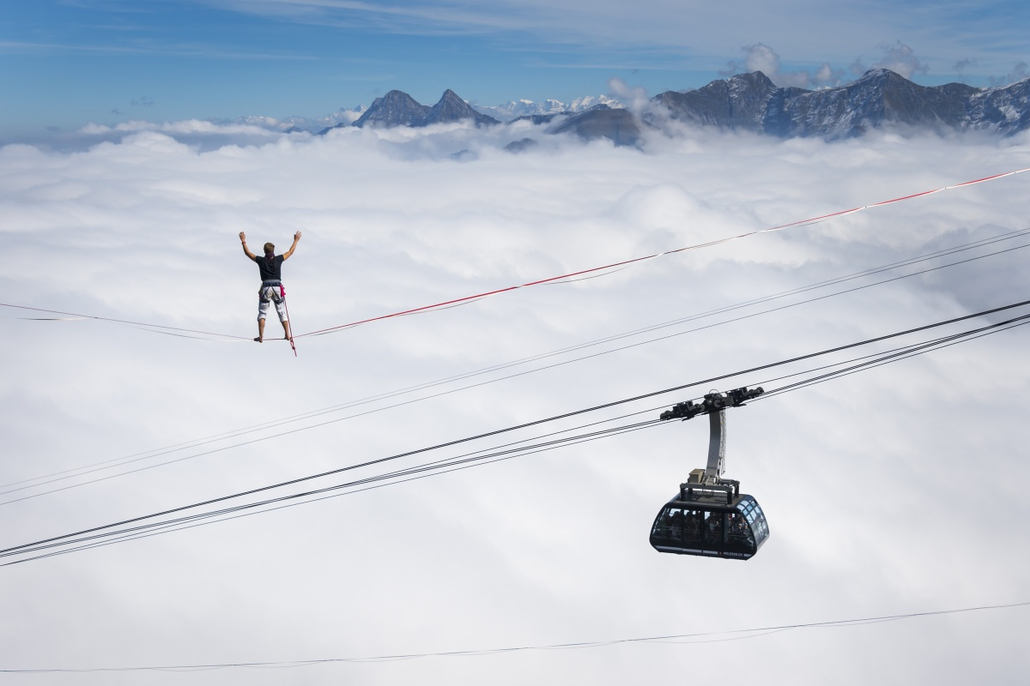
{"x": 897, "y": 490}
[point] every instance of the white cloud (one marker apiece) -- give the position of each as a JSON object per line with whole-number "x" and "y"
{"x": 634, "y": 97}
{"x": 761, "y": 57}
{"x": 900, "y": 58}
{"x": 186, "y": 126}
{"x": 865, "y": 480}
{"x": 1018, "y": 73}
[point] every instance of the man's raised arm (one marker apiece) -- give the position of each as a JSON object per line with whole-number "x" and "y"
{"x": 243, "y": 242}
{"x": 296, "y": 239}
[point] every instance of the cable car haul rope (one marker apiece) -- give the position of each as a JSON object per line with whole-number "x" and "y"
{"x": 147, "y": 456}
{"x": 676, "y": 540}
{"x": 678, "y": 640}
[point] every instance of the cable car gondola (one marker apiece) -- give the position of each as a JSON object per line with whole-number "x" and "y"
{"x": 710, "y": 516}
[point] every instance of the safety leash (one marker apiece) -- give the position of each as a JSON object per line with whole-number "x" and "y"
{"x": 286, "y": 307}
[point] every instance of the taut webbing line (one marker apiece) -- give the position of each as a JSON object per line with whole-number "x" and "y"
{"x": 157, "y": 328}
{"x": 625, "y": 263}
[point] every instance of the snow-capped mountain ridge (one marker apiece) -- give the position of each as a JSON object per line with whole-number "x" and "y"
{"x": 528, "y": 108}
{"x": 751, "y": 102}
{"x": 746, "y": 102}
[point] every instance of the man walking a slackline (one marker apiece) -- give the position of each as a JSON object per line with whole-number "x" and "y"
{"x": 272, "y": 290}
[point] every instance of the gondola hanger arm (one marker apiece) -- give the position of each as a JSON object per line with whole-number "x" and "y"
{"x": 714, "y": 405}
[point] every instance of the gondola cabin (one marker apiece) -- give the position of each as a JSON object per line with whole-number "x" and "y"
{"x": 712, "y": 520}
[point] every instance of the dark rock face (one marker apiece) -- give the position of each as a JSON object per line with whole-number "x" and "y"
{"x": 397, "y": 108}
{"x": 452, "y": 108}
{"x": 1002, "y": 109}
{"x": 618, "y": 126}
{"x": 877, "y": 98}
{"x": 751, "y": 102}
{"x": 737, "y": 103}
{"x": 521, "y": 145}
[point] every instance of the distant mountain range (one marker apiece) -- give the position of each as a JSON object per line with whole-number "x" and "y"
{"x": 751, "y": 102}
{"x": 516, "y": 109}
{"x": 397, "y": 108}
{"x": 746, "y": 102}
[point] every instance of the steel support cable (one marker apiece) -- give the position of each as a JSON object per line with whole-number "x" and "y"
{"x": 678, "y": 639}
{"x": 478, "y": 458}
{"x": 15, "y": 549}
{"x": 811, "y": 287}
{"x": 234, "y": 513}
{"x": 859, "y": 360}
{"x": 358, "y": 486}
{"x": 447, "y": 469}
{"x": 150, "y": 455}
{"x": 448, "y": 465}
{"x": 846, "y": 346}
{"x": 882, "y": 358}
{"x": 376, "y": 481}
{"x": 904, "y": 354}
{"x": 5, "y": 552}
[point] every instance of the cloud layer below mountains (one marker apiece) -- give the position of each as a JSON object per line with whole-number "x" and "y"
{"x": 898, "y": 490}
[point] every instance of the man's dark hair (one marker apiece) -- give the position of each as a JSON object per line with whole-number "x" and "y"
{"x": 269, "y": 249}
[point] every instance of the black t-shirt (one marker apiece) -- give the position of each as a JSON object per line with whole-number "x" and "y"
{"x": 271, "y": 269}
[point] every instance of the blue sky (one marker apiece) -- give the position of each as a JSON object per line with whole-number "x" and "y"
{"x": 69, "y": 62}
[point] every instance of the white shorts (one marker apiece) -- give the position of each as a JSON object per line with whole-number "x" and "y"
{"x": 272, "y": 294}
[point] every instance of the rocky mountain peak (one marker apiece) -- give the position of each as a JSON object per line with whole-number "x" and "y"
{"x": 452, "y": 108}
{"x": 879, "y": 98}
{"x": 396, "y": 108}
